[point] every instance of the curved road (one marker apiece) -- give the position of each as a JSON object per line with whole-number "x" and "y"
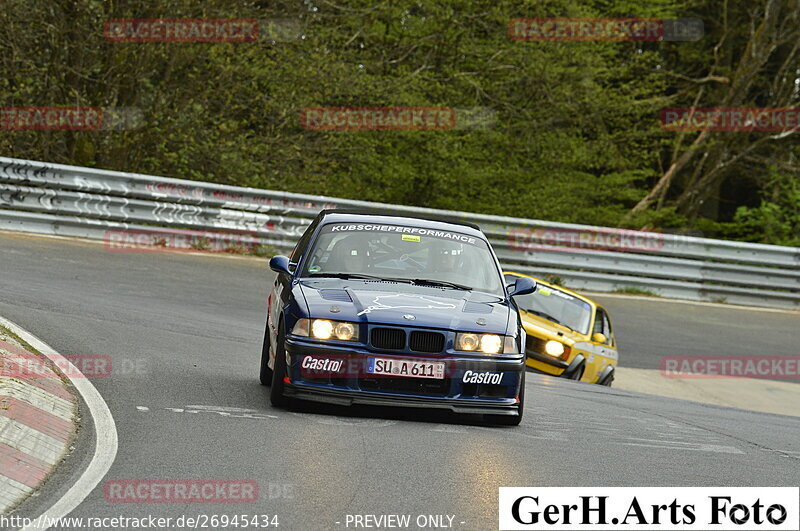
{"x": 184, "y": 334}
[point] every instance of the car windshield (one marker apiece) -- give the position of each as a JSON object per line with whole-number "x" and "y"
{"x": 424, "y": 256}
{"x": 557, "y": 306}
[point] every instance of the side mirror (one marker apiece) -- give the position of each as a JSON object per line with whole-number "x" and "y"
{"x": 599, "y": 338}
{"x": 280, "y": 264}
{"x": 522, "y": 286}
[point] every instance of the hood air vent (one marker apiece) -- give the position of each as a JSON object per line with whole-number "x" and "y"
{"x": 477, "y": 307}
{"x": 338, "y": 295}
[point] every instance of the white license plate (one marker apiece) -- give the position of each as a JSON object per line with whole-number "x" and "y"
{"x": 406, "y": 368}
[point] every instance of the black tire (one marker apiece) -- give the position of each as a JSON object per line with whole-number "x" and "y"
{"x": 509, "y": 420}
{"x": 276, "y": 393}
{"x": 265, "y": 375}
{"x": 578, "y": 373}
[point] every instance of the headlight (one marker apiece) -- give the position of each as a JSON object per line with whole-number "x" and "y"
{"x": 345, "y": 331}
{"x": 491, "y": 343}
{"x": 554, "y": 348}
{"x": 510, "y": 345}
{"x": 301, "y": 327}
{"x": 487, "y": 343}
{"x": 325, "y": 329}
{"x": 467, "y": 342}
{"x": 321, "y": 329}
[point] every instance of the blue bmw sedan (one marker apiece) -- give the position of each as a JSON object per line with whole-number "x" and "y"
{"x": 395, "y": 311}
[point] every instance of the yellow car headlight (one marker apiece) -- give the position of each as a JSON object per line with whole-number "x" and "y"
{"x": 554, "y": 348}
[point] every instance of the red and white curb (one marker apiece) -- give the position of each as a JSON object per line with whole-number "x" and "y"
{"x": 38, "y": 420}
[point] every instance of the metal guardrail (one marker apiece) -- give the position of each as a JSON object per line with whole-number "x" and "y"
{"x": 67, "y": 200}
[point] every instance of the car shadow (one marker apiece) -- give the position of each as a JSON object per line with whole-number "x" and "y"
{"x": 405, "y": 414}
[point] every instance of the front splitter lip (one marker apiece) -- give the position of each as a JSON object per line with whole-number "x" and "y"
{"x": 350, "y": 398}
{"x": 547, "y": 360}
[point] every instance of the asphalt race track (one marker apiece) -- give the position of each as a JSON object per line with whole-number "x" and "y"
{"x": 184, "y": 333}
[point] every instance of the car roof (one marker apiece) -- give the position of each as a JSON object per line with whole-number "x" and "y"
{"x": 362, "y": 216}
{"x": 556, "y": 286}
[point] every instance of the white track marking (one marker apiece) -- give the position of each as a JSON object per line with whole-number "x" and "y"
{"x": 449, "y": 428}
{"x": 224, "y": 408}
{"x": 105, "y": 450}
{"x": 223, "y": 411}
{"x": 692, "y": 447}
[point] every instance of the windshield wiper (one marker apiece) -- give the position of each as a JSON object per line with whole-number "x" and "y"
{"x": 542, "y": 314}
{"x": 441, "y": 284}
{"x": 358, "y": 276}
{"x": 343, "y": 275}
{"x": 425, "y": 281}
{"x": 548, "y": 317}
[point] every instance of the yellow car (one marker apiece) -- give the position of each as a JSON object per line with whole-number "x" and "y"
{"x": 568, "y": 335}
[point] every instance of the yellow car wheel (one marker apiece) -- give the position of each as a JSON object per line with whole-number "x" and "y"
{"x": 607, "y": 377}
{"x": 577, "y": 374}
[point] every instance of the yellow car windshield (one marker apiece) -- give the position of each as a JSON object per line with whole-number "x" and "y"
{"x": 557, "y": 306}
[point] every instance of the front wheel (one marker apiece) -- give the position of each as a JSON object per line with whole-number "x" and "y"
{"x": 577, "y": 375}
{"x": 276, "y": 393}
{"x": 508, "y": 420}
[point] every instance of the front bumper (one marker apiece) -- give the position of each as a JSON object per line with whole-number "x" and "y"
{"x": 546, "y": 364}
{"x": 352, "y": 384}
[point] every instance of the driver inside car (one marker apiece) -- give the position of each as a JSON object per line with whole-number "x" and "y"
{"x": 447, "y": 257}
{"x": 350, "y": 255}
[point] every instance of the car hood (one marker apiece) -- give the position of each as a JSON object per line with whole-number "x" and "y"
{"x": 385, "y": 302}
